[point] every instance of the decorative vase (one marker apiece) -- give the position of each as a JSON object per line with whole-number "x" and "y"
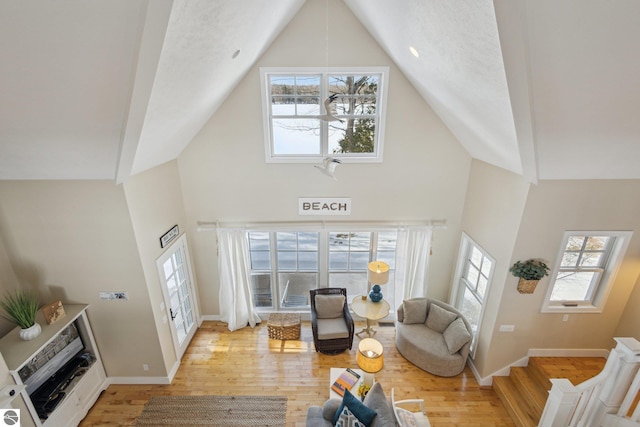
{"x": 527, "y": 286}
{"x": 375, "y": 295}
{"x": 31, "y": 332}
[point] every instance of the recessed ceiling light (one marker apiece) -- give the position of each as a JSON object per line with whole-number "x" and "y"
{"x": 414, "y": 52}
{"x": 235, "y": 54}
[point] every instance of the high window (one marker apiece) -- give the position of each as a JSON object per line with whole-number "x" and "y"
{"x": 585, "y": 270}
{"x": 299, "y": 126}
{"x": 285, "y": 265}
{"x": 475, "y": 269}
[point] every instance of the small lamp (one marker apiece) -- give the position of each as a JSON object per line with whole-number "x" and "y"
{"x": 370, "y": 355}
{"x": 378, "y": 274}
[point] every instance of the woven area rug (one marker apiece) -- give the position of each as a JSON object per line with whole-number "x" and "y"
{"x": 214, "y": 411}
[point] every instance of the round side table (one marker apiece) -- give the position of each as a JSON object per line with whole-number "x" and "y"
{"x": 369, "y": 310}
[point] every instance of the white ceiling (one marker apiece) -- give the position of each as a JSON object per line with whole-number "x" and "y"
{"x": 106, "y": 89}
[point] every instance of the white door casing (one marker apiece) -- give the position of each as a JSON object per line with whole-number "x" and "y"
{"x": 176, "y": 278}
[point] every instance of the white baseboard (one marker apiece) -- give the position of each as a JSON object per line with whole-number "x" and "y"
{"x": 305, "y": 316}
{"x": 173, "y": 371}
{"x": 476, "y": 374}
{"x": 139, "y": 380}
{"x": 503, "y": 372}
{"x": 146, "y": 380}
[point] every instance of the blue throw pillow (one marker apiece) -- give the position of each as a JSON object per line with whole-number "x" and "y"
{"x": 364, "y": 414}
{"x": 347, "y": 419}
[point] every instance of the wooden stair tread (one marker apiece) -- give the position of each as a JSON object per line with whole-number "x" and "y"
{"x": 537, "y": 371}
{"x": 575, "y": 369}
{"x": 530, "y": 388}
{"x": 525, "y": 391}
{"x": 523, "y": 414}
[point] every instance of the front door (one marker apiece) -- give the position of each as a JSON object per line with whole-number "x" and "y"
{"x": 174, "y": 269}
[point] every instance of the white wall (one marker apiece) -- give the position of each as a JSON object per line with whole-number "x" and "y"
{"x": 70, "y": 240}
{"x": 492, "y": 212}
{"x": 630, "y": 319}
{"x": 8, "y": 279}
{"x": 154, "y": 198}
{"x": 224, "y": 175}
{"x": 552, "y": 208}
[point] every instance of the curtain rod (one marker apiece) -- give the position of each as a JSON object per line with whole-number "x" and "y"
{"x": 264, "y": 225}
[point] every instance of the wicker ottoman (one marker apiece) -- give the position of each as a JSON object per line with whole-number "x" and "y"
{"x": 284, "y": 326}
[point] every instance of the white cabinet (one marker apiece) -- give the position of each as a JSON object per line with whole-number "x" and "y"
{"x": 83, "y": 390}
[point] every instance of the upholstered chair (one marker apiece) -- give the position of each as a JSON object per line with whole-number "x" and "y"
{"x": 331, "y": 322}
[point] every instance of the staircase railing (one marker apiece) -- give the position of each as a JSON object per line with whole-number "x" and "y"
{"x": 607, "y": 399}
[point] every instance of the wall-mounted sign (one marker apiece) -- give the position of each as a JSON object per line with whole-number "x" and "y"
{"x": 169, "y": 236}
{"x": 324, "y": 206}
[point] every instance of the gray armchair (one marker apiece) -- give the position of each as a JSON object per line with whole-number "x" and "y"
{"x": 433, "y": 335}
{"x": 331, "y": 322}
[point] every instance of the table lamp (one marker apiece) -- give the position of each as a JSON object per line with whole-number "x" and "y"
{"x": 370, "y": 356}
{"x": 378, "y": 274}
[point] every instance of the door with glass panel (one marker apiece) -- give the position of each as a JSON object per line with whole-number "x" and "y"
{"x": 174, "y": 270}
{"x": 284, "y": 267}
{"x": 475, "y": 270}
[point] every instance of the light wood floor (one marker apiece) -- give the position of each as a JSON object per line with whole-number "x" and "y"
{"x": 575, "y": 369}
{"x": 247, "y": 362}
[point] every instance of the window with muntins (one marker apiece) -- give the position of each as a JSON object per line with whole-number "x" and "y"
{"x": 585, "y": 270}
{"x": 349, "y": 255}
{"x": 311, "y": 114}
{"x": 475, "y": 272}
{"x": 285, "y": 265}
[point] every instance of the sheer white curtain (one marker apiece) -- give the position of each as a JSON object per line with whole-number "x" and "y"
{"x": 412, "y": 262}
{"x": 236, "y": 301}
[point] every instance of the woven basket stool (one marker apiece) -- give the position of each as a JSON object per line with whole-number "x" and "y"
{"x": 284, "y": 326}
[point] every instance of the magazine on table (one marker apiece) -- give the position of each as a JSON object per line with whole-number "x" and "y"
{"x": 345, "y": 381}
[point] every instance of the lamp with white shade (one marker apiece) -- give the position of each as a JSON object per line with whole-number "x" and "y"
{"x": 378, "y": 274}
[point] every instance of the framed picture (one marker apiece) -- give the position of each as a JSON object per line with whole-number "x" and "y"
{"x": 169, "y": 236}
{"x": 53, "y": 312}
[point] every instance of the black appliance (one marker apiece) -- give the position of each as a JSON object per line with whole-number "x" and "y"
{"x": 50, "y": 394}
{"x": 53, "y": 372}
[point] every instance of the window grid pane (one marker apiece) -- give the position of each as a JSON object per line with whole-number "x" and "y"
{"x": 296, "y": 136}
{"x": 283, "y": 280}
{"x": 581, "y": 268}
{"x": 349, "y": 251}
{"x": 477, "y": 273}
{"x": 296, "y": 104}
{"x": 297, "y": 251}
{"x": 473, "y": 284}
{"x": 574, "y": 286}
{"x": 259, "y": 251}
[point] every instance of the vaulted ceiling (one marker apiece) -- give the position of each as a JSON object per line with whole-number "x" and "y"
{"x": 105, "y": 89}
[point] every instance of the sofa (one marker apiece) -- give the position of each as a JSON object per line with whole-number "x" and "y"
{"x": 433, "y": 335}
{"x": 375, "y": 400}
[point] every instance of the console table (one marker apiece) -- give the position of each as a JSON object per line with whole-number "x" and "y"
{"x": 369, "y": 310}
{"x": 77, "y": 399}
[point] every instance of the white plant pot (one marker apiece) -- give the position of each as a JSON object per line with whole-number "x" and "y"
{"x": 30, "y": 333}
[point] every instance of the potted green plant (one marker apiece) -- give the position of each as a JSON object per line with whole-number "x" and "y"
{"x": 21, "y": 307}
{"x": 530, "y": 272}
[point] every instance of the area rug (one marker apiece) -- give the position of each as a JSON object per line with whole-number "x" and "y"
{"x": 214, "y": 411}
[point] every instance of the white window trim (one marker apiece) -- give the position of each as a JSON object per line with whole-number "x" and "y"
{"x": 606, "y": 282}
{"x": 323, "y": 271}
{"x": 465, "y": 244}
{"x": 316, "y": 158}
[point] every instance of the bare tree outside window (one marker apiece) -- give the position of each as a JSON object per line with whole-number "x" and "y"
{"x": 297, "y": 115}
